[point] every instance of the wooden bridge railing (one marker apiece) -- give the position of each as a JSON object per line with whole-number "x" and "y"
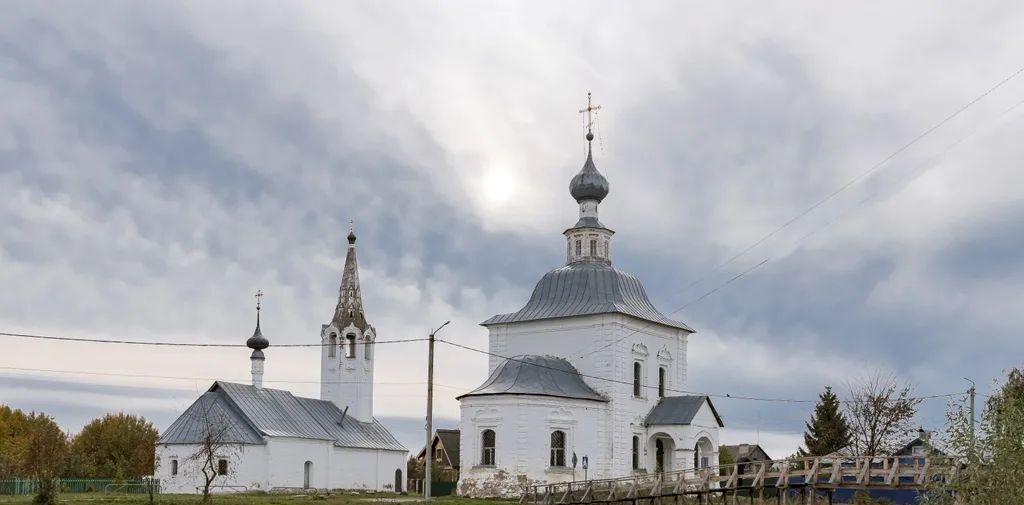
{"x": 827, "y": 473}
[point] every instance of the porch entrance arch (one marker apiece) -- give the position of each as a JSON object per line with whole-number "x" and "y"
{"x": 703, "y": 452}
{"x": 663, "y": 449}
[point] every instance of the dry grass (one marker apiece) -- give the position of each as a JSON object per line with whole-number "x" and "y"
{"x": 253, "y": 499}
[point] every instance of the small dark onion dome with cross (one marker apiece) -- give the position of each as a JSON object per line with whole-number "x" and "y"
{"x": 257, "y": 341}
{"x": 589, "y": 184}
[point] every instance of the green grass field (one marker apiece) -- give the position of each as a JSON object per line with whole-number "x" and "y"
{"x": 246, "y": 499}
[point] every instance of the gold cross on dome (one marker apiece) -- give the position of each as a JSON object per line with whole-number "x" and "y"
{"x": 589, "y": 110}
{"x": 259, "y": 298}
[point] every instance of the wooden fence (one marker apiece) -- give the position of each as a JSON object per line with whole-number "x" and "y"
{"x": 808, "y": 476}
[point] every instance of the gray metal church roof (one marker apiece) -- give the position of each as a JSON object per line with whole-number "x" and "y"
{"x": 680, "y": 410}
{"x": 213, "y": 414}
{"x": 252, "y": 413}
{"x": 587, "y": 288}
{"x": 539, "y": 376}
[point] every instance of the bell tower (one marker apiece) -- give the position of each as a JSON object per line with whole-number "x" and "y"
{"x": 347, "y": 352}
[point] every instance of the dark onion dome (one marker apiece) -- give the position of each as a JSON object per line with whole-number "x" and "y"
{"x": 351, "y": 237}
{"x": 589, "y": 184}
{"x": 580, "y": 289}
{"x": 538, "y": 376}
{"x": 257, "y": 341}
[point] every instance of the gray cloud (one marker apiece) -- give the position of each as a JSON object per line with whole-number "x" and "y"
{"x": 162, "y": 161}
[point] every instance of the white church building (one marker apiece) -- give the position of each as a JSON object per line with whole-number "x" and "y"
{"x": 267, "y": 439}
{"x": 588, "y": 368}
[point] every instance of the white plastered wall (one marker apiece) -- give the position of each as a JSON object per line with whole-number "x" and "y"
{"x": 281, "y": 463}
{"x": 523, "y": 425}
{"x": 605, "y": 346}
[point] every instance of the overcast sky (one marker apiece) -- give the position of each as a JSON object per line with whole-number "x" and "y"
{"x": 160, "y": 161}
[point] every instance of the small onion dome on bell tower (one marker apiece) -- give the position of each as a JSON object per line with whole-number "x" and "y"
{"x": 352, "y": 237}
{"x": 257, "y": 341}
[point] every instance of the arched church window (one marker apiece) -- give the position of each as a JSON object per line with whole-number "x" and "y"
{"x": 637, "y": 374}
{"x": 487, "y": 454}
{"x": 579, "y": 248}
{"x": 558, "y": 448}
{"x": 222, "y": 467}
{"x": 366, "y": 349}
{"x": 333, "y": 345}
{"x": 661, "y": 382}
{"x": 350, "y": 346}
{"x": 636, "y": 452}
{"x": 593, "y": 247}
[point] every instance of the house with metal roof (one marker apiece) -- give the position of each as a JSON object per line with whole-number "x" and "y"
{"x": 588, "y": 378}
{"x": 246, "y": 437}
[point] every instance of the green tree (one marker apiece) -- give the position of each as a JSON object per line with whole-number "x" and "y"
{"x": 991, "y": 461}
{"x": 827, "y": 431}
{"x": 31, "y": 445}
{"x": 725, "y": 460}
{"x": 115, "y": 446}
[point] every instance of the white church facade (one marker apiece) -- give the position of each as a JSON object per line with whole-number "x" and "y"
{"x": 265, "y": 439}
{"x": 588, "y": 368}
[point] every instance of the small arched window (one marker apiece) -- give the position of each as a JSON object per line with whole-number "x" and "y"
{"x": 661, "y": 382}
{"x": 579, "y": 248}
{"x": 593, "y": 247}
{"x": 222, "y": 467}
{"x": 487, "y": 443}
{"x": 367, "y": 349}
{"x": 557, "y": 448}
{"x": 637, "y": 373}
{"x": 350, "y": 346}
{"x": 331, "y": 347}
{"x": 636, "y": 452}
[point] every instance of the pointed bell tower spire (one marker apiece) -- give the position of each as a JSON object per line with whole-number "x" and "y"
{"x": 350, "y": 299}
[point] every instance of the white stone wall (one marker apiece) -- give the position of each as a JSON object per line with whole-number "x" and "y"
{"x": 523, "y": 427}
{"x": 281, "y": 464}
{"x": 247, "y": 469}
{"x": 348, "y": 382}
{"x": 603, "y": 347}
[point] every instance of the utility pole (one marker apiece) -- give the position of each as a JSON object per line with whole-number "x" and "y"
{"x": 427, "y": 455}
{"x": 971, "y": 392}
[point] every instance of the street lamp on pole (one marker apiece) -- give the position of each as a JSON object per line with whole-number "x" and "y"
{"x": 430, "y": 412}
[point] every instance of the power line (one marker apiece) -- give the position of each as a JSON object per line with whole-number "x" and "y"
{"x": 868, "y": 172}
{"x": 846, "y": 186}
{"x": 685, "y": 305}
{"x": 185, "y": 344}
{"x": 632, "y": 384}
{"x": 171, "y": 377}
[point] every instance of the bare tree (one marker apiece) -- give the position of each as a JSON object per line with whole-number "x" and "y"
{"x": 880, "y": 412}
{"x": 215, "y": 444}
